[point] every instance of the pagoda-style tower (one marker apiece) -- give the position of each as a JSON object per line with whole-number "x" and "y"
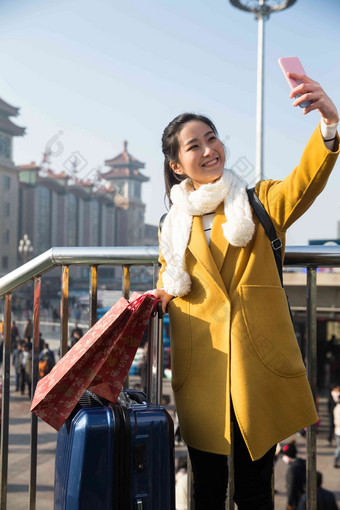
{"x": 9, "y": 188}
{"x": 7, "y": 130}
{"x": 125, "y": 177}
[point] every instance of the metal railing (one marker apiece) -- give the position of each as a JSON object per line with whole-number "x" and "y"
{"x": 307, "y": 256}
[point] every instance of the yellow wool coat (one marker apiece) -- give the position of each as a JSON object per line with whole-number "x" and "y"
{"x": 232, "y": 336}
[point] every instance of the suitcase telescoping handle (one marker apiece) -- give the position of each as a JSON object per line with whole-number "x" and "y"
{"x": 155, "y": 356}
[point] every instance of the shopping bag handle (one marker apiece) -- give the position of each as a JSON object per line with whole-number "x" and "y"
{"x": 135, "y": 302}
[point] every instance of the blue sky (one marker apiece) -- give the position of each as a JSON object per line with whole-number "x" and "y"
{"x": 88, "y": 75}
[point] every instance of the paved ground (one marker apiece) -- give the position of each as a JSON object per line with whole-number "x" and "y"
{"x": 18, "y": 479}
{"x": 19, "y": 458}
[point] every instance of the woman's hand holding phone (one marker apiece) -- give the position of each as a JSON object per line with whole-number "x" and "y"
{"x": 308, "y": 93}
{"x": 310, "y": 90}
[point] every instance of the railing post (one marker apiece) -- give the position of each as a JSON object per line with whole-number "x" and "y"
{"x": 126, "y": 293}
{"x": 93, "y": 295}
{"x": 155, "y": 268}
{"x": 126, "y": 281}
{"x": 5, "y": 402}
{"x": 35, "y": 378}
{"x": 64, "y": 309}
{"x": 311, "y": 373}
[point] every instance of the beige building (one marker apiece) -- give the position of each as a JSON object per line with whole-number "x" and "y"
{"x": 59, "y": 209}
{"x": 55, "y": 210}
{"x": 9, "y": 189}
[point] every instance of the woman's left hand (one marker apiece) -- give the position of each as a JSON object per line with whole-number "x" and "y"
{"x": 164, "y": 297}
{"x": 311, "y": 90}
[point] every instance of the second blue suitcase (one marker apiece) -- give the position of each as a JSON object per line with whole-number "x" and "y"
{"x": 118, "y": 457}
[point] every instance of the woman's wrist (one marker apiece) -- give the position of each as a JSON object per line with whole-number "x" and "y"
{"x": 328, "y": 131}
{"x": 331, "y": 121}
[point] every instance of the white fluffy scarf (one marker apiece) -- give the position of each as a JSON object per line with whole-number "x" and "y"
{"x": 238, "y": 229}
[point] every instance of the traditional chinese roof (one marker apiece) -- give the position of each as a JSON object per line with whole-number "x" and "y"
{"x": 124, "y": 166}
{"x": 6, "y": 125}
{"x": 87, "y": 184}
{"x": 124, "y": 160}
{"x": 60, "y": 175}
{"x": 48, "y": 178}
{"x": 81, "y": 188}
{"x": 49, "y": 173}
{"x": 30, "y": 166}
{"x": 7, "y": 109}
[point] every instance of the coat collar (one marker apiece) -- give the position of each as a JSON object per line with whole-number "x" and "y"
{"x": 211, "y": 257}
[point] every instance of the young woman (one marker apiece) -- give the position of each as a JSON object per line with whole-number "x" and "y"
{"x": 235, "y": 358}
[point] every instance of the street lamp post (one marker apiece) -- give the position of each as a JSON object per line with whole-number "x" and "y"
{"x": 25, "y": 248}
{"x": 261, "y": 9}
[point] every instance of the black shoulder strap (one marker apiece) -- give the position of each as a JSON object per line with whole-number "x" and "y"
{"x": 268, "y": 226}
{"x": 161, "y": 221}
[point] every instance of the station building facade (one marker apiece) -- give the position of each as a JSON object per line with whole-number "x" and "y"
{"x": 9, "y": 188}
{"x": 57, "y": 209}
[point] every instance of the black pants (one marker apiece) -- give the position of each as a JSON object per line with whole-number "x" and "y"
{"x": 253, "y": 479}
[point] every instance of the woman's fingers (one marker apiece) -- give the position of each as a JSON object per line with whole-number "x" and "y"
{"x": 310, "y": 90}
{"x": 304, "y": 88}
{"x": 307, "y": 86}
{"x": 301, "y": 77}
{"x": 154, "y": 292}
{"x": 307, "y": 96}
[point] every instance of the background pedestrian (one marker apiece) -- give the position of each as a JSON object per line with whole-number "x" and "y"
{"x": 336, "y": 414}
{"x": 325, "y": 500}
{"x": 181, "y": 484}
{"x": 295, "y": 476}
{"x": 28, "y": 330}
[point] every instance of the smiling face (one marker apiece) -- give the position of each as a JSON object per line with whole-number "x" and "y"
{"x": 201, "y": 154}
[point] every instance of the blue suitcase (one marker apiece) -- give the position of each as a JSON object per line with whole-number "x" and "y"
{"x": 116, "y": 457}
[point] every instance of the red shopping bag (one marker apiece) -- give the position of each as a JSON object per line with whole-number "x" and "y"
{"x": 99, "y": 361}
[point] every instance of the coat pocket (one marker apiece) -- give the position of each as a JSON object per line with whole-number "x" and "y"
{"x": 180, "y": 341}
{"x": 266, "y": 316}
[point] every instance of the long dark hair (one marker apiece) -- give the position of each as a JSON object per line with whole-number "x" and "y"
{"x": 170, "y": 147}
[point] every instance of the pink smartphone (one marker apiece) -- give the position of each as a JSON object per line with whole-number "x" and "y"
{"x": 293, "y": 65}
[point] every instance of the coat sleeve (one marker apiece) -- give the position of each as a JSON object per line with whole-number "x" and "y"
{"x": 287, "y": 200}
